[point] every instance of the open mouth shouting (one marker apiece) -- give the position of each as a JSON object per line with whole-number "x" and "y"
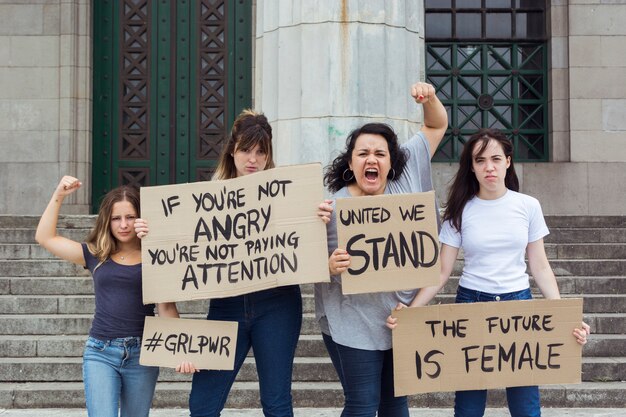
{"x": 371, "y": 174}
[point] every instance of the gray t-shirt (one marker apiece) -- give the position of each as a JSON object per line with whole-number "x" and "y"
{"x": 358, "y": 321}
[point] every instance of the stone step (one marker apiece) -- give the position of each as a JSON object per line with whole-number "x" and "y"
{"x": 308, "y": 369}
{"x": 34, "y": 251}
{"x": 46, "y": 285}
{"x": 586, "y": 250}
{"x": 85, "y": 304}
{"x": 309, "y": 345}
{"x": 66, "y": 221}
{"x": 574, "y": 285}
{"x": 56, "y": 267}
{"x": 586, "y": 221}
{"x": 592, "y": 303}
{"x": 590, "y": 235}
{"x": 37, "y": 324}
{"x": 40, "y": 268}
{"x": 28, "y": 235}
{"x": 9, "y": 251}
{"x": 588, "y": 267}
{"x": 88, "y": 221}
{"x": 305, "y": 394}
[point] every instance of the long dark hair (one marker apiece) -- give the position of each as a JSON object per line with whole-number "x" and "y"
{"x": 249, "y": 129}
{"x": 465, "y": 185}
{"x": 101, "y": 242}
{"x": 334, "y": 175}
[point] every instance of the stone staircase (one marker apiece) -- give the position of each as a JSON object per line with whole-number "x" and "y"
{"x": 46, "y": 307}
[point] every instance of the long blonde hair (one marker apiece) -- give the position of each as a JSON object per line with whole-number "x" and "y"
{"x": 101, "y": 242}
{"x": 249, "y": 129}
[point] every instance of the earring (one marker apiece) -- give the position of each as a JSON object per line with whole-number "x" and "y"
{"x": 343, "y": 176}
{"x": 393, "y": 177}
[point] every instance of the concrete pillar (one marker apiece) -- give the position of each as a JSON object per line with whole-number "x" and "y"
{"x": 45, "y": 96}
{"x": 328, "y": 66}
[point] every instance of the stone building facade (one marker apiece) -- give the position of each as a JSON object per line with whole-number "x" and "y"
{"x": 318, "y": 70}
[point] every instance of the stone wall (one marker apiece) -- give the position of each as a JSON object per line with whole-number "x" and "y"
{"x": 587, "y": 82}
{"x": 45, "y": 102}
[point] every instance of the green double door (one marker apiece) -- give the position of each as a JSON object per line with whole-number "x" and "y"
{"x": 169, "y": 77}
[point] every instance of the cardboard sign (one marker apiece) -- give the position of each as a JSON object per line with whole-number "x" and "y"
{"x": 208, "y": 344}
{"x": 457, "y": 347}
{"x": 392, "y": 240}
{"x": 225, "y": 238}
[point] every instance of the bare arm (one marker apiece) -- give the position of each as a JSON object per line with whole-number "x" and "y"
{"x": 46, "y": 234}
{"x": 541, "y": 270}
{"x": 167, "y": 310}
{"x": 435, "y": 115}
{"x": 546, "y": 281}
{"x": 447, "y": 257}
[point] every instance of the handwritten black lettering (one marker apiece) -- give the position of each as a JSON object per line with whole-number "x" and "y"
{"x": 170, "y": 204}
{"x": 263, "y": 244}
{"x": 233, "y": 272}
{"x": 238, "y": 226}
{"x": 220, "y": 252}
{"x": 533, "y": 322}
{"x": 456, "y": 328}
{"x": 273, "y": 188}
{"x": 364, "y": 215}
{"x": 178, "y": 253}
{"x": 516, "y": 356}
{"x": 413, "y": 213}
{"x": 185, "y": 343}
{"x": 229, "y": 199}
{"x": 428, "y": 360}
{"x": 379, "y": 251}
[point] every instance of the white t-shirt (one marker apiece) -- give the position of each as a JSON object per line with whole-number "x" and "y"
{"x": 494, "y": 235}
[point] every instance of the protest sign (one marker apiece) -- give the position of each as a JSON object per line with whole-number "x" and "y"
{"x": 225, "y": 238}
{"x": 208, "y": 344}
{"x": 458, "y": 347}
{"x": 392, "y": 241}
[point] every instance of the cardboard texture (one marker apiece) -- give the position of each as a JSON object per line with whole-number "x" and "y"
{"x": 393, "y": 242}
{"x": 208, "y": 344}
{"x": 224, "y": 238}
{"x": 463, "y": 354}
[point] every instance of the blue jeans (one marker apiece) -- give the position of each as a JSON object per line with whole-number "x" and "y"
{"x": 269, "y": 322}
{"x": 522, "y": 401}
{"x": 367, "y": 380}
{"x": 115, "y": 380}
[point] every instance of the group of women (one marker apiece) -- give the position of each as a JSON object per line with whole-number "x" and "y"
{"x": 356, "y": 329}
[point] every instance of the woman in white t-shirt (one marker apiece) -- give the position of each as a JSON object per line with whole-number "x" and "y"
{"x": 496, "y": 226}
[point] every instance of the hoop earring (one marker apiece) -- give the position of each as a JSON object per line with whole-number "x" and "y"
{"x": 393, "y": 177}
{"x": 343, "y": 176}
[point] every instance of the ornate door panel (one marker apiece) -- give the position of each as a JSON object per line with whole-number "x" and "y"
{"x": 169, "y": 77}
{"x": 488, "y": 61}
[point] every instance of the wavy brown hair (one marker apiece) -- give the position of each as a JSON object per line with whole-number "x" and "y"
{"x": 465, "y": 185}
{"x": 101, "y": 242}
{"x": 249, "y": 129}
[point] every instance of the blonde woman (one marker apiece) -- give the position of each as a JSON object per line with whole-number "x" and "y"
{"x": 114, "y": 380}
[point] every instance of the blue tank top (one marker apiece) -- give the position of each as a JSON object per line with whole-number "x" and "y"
{"x": 119, "y": 304}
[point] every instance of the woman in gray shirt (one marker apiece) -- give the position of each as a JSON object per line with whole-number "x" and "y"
{"x": 353, "y": 326}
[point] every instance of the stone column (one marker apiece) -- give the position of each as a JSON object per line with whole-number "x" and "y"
{"x": 45, "y": 95}
{"x": 325, "y": 67}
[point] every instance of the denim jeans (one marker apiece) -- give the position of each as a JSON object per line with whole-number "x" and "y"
{"x": 367, "y": 380}
{"x": 522, "y": 401}
{"x": 115, "y": 380}
{"x": 269, "y": 322}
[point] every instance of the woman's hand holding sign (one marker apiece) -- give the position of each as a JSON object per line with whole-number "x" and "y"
{"x": 338, "y": 262}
